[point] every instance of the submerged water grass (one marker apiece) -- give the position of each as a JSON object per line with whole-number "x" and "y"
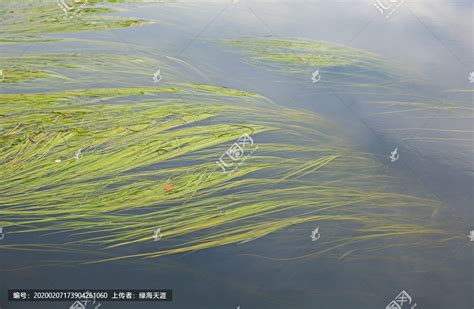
{"x": 378, "y": 84}
{"x": 86, "y": 165}
{"x": 342, "y": 65}
{"x": 112, "y": 195}
{"x": 74, "y": 70}
{"x": 46, "y": 17}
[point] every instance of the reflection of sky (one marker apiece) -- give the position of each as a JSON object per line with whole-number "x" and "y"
{"x": 407, "y": 36}
{"x": 434, "y": 38}
{"x": 432, "y": 42}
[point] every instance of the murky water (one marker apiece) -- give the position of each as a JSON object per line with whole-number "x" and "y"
{"x": 431, "y": 42}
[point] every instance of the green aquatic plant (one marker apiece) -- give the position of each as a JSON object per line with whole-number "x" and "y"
{"x": 425, "y": 110}
{"x": 300, "y": 55}
{"x": 97, "y": 163}
{"x": 96, "y": 170}
{"x": 26, "y": 39}
{"x": 12, "y": 74}
{"x": 47, "y": 17}
{"x": 103, "y": 165}
{"x": 374, "y": 81}
{"x": 77, "y": 68}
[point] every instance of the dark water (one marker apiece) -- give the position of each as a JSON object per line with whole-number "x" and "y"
{"x": 432, "y": 39}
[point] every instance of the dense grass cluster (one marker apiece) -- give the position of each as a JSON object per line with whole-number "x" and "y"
{"x": 19, "y": 22}
{"x": 104, "y": 167}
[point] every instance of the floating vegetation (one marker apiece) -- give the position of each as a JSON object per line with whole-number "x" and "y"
{"x": 350, "y": 66}
{"x": 358, "y": 72}
{"x": 27, "y": 39}
{"x": 13, "y": 74}
{"x": 101, "y": 163}
{"x": 72, "y": 67}
{"x": 403, "y": 107}
{"x": 47, "y": 17}
{"x": 113, "y": 195}
{"x": 427, "y": 110}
